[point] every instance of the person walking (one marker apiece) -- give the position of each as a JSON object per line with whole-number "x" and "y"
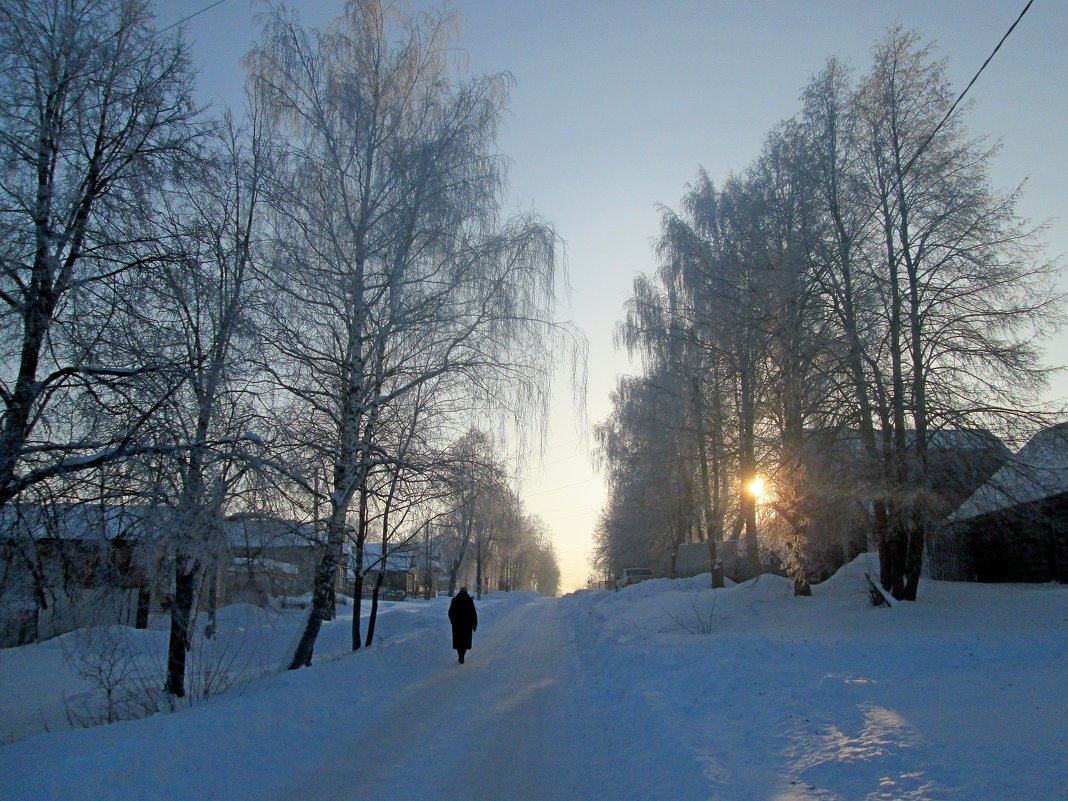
{"x": 464, "y": 621}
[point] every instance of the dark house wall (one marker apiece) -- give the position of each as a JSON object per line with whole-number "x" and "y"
{"x": 841, "y": 482}
{"x": 1025, "y": 543}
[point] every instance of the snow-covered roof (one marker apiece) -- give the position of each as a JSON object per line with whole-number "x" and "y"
{"x": 258, "y": 531}
{"x": 84, "y": 521}
{"x": 1039, "y": 470}
{"x": 959, "y": 439}
{"x": 90, "y": 521}
{"x": 395, "y": 560}
{"x": 937, "y": 439}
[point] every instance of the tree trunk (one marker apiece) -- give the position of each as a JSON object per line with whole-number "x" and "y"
{"x": 917, "y": 511}
{"x": 709, "y": 530}
{"x": 185, "y": 577}
{"x": 428, "y": 591}
{"x": 897, "y": 533}
{"x": 330, "y": 611}
{"x": 324, "y": 599}
{"x": 144, "y": 605}
{"x": 747, "y": 463}
{"x": 876, "y": 474}
{"x": 478, "y": 567}
{"x": 357, "y": 595}
{"x": 881, "y": 533}
{"x": 324, "y": 585}
{"x": 373, "y": 617}
{"x": 213, "y": 603}
{"x": 914, "y": 560}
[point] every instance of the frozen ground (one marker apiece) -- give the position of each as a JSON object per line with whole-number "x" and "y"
{"x": 962, "y": 695}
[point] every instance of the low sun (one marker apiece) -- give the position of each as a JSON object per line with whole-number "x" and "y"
{"x": 757, "y": 487}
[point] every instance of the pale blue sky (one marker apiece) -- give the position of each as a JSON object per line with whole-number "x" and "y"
{"x": 615, "y": 105}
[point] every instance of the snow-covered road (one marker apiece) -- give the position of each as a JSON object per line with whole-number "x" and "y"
{"x": 402, "y": 721}
{"x": 668, "y": 691}
{"x": 497, "y": 727}
{"x": 513, "y": 723}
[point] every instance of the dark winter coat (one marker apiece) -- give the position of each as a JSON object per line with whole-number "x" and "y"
{"x": 464, "y": 620}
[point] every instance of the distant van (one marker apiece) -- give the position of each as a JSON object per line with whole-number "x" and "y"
{"x": 633, "y": 575}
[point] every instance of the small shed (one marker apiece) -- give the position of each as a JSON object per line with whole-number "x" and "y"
{"x": 691, "y": 559}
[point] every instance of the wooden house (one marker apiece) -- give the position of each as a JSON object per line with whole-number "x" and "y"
{"x": 65, "y": 566}
{"x": 399, "y": 569}
{"x": 269, "y": 557}
{"x": 1015, "y": 526}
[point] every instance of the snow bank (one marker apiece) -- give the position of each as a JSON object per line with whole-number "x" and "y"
{"x": 960, "y": 695}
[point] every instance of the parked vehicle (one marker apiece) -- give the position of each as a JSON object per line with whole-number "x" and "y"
{"x": 633, "y": 575}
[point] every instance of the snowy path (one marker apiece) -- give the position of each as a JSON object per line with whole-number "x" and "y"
{"x": 514, "y": 722}
{"x": 488, "y": 729}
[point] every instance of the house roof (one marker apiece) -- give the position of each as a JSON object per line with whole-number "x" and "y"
{"x": 959, "y": 439}
{"x": 1039, "y": 470}
{"x": 398, "y": 560}
{"x": 94, "y": 521}
{"x": 847, "y": 443}
{"x": 272, "y": 567}
{"x": 82, "y": 521}
{"x": 260, "y": 531}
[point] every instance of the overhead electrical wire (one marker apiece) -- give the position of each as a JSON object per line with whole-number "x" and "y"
{"x": 563, "y": 487}
{"x": 194, "y": 14}
{"x": 960, "y": 97}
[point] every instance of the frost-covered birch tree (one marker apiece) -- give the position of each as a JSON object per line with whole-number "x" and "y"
{"x": 831, "y": 130}
{"x": 862, "y": 283}
{"x": 95, "y": 110}
{"x": 392, "y": 266}
{"x": 198, "y": 309}
{"x": 962, "y": 285}
{"x": 472, "y": 475}
{"x": 648, "y": 456}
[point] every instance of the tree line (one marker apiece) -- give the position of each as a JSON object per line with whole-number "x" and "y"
{"x": 298, "y": 309}
{"x": 817, "y": 322}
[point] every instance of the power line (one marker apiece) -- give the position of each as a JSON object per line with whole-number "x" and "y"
{"x": 900, "y": 178}
{"x": 956, "y": 102}
{"x": 561, "y": 509}
{"x": 564, "y": 487}
{"x": 564, "y": 459}
{"x": 564, "y": 444}
{"x": 194, "y": 14}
